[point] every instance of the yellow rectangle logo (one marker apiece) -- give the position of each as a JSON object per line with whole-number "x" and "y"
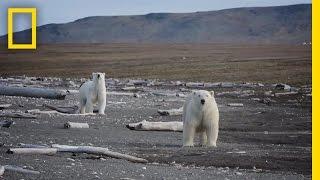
{"x": 11, "y": 12}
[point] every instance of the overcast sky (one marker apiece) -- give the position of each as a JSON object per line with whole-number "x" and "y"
{"x": 61, "y": 11}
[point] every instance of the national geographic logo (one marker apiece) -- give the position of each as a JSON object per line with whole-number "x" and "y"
{"x": 33, "y": 12}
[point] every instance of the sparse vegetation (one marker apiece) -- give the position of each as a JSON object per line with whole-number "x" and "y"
{"x": 193, "y": 62}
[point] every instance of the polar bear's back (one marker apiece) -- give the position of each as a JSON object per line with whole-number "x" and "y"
{"x": 86, "y": 86}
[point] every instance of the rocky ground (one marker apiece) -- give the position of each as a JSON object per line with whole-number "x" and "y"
{"x": 269, "y": 137}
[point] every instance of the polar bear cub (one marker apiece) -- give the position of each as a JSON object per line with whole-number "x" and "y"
{"x": 92, "y": 92}
{"x": 200, "y": 115}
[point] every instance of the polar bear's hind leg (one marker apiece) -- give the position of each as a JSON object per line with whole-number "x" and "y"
{"x": 89, "y": 107}
{"x": 82, "y": 106}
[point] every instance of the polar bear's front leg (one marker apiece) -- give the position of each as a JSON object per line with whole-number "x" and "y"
{"x": 188, "y": 134}
{"x": 203, "y": 138}
{"x": 212, "y": 133}
{"x": 102, "y": 105}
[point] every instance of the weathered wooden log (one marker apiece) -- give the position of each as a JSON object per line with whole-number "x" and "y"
{"x": 4, "y": 106}
{"x": 18, "y": 169}
{"x": 17, "y": 115}
{"x": 132, "y": 88}
{"x": 38, "y": 111}
{"x": 195, "y": 85}
{"x": 32, "y": 92}
{"x": 228, "y": 84}
{"x": 137, "y": 82}
{"x": 156, "y": 126}
{"x": 6, "y": 123}
{"x": 212, "y": 85}
{"x": 120, "y": 93}
{"x": 22, "y": 145}
{"x": 72, "y": 125}
{"x": 282, "y": 86}
{"x": 161, "y": 94}
{"x": 47, "y": 151}
{"x": 181, "y": 95}
{"x": 76, "y": 149}
{"x": 98, "y": 151}
{"x": 170, "y": 112}
{"x": 235, "y": 104}
{"x": 285, "y": 93}
{"x": 67, "y": 110}
{"x": 113, "y": 102}
{"x": 168, "y": 94}
{"x": 71, "y": 91}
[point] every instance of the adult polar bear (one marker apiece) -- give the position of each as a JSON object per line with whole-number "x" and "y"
{"x": 200, "y": 115}
{"x": 92, "y": 92}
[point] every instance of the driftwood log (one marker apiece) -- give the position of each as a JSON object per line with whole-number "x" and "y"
{"x": 98, "y": 151}
{"x": 16, "y": 169}
{"x": 4, "y": 106}
{"x": 22, "y": 145}
{"x": 47, "y": 151}
{"x": 38, "y": 111}
{"x": 195, "y": 85}
{"x": 132, "y": 88}
{"x": 18, "y": 115}
{"x": 6, "y": 123}
{"x": 32, "y": 92}
{"x": 75, "y": 149}
{"x": 171, "y": 112}
{"x": 71, "y": 125}
{"x": 114, "y": 93}
{"x": 235, "y": 104}
{"x": 286, "y": 93}
{"x": 67, "y": 110}
{"x": 156, "y": 126}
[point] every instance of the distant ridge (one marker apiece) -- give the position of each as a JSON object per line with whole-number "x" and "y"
{"x": 279, "y": 24}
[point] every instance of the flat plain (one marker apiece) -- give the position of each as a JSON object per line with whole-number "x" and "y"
{"x": 192, "y": 62}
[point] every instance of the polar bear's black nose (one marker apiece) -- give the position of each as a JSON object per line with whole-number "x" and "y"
{"x": 98, "y": 75}
{"x": 203, "y": 101}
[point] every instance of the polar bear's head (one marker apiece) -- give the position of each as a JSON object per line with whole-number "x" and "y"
{"x": 98, "y": 77}
{"x": 202, "y": 97}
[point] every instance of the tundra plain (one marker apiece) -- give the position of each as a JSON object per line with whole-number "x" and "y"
{"x": 268, "y": 138}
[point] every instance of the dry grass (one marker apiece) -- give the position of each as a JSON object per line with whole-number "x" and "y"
{"x": 202, "y": 62}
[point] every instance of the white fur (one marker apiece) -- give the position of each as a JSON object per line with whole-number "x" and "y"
{"x": 200, "y": 118}
{"x": 92, "y": 92}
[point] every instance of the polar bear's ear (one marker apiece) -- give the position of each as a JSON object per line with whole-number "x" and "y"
{"x": 212, "y": 93}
